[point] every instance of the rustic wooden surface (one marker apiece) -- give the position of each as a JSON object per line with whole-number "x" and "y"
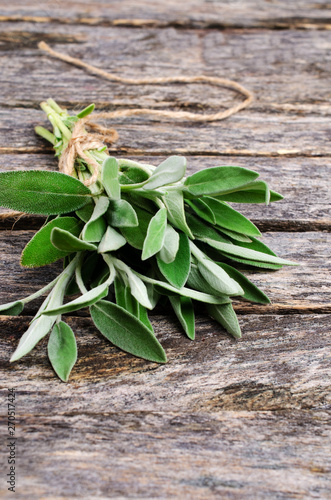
{"x": 225, "y": 418}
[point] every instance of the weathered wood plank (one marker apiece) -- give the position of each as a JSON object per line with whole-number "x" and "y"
{"x": 304, "y": 183}
{"x": 281, "y": 362}
{"x": 261, "y": 60}
{"x": 194, "y": 13}
{"x": 247, "y": 133}
{"x": 232, "y": 455}
{"x": 304, "y": 287}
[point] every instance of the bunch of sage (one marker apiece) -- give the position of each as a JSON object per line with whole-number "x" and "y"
{"x": 138, "y": 235}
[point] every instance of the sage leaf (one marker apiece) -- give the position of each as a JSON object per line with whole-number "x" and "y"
{"x": 174, "y": 202}
{"x": 249, "y": 196}
{"x": 246, "y": 253}
{"x": 42, "y": 192}
{"x": 63, "y": 240}
{"x": 251, "y": 291}
{"x": 215, "y": 275}
{"x": 111, "y": 241}
{"x": 236, "y": 236}
{"x": 125, "y": 299}
{"x": 135, "y": 236}
{"x": 226, "y": 316}
{"x": 216, "y": 180}
{"x": 229, "y": 218}
{"x": 11, "y": 308}
{"x": 184, "y": 311}
{"x": 170, "y": 246}
{"x": 201, "y": 208}
{"x": 169, "y": 171}
{"x": 202, "y": 230}
{"x": 95, "y": 228}
{"x": 85, "y": 213}
{"x": 40, "y": 251}
{"x": 155, "y": 234}
{"x": 87, "y": 299}
{"x": 62, "y": 350}
{"x": 132, "y": 175}
{"x": 121, "y": 214}
{"x": 126, "y": 332}
{"x": 177, "y": 271}
{"x": 109, "y": 178}
{"x": 137, "y": 286}
{"x": 86, "y": 111}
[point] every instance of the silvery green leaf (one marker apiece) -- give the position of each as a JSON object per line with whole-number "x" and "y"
{"x": 67, "y": 242}
{"x": 184, "y": 311}
{"x": 202, "y": 230}
{"x": 229, "y": 218}
{"x": 170, "y": 246}
{"x": 40, "y": 251}
{"x": 198, "y": 282}
{"x": 137, "y": 286}
{"x": 121, "y": 214}
{"x": 126, "y": 331}
{"x": 202, "y": 210}
{"x": 187, "y": 292}
{"x": 85, "y": 213}
{"x": 169, "y": 171}
{"x": 174, "y": 202}
{"x": 247, "y": 253}
{"x": 155, "y": 234}
{"x": 236, "y": 236}
{"x": 177, "y": 271}
{"x": 111, "y": 241}
{"x": 95, "y": 228}
{"x": 252, "y": 292}
{"x": 62, "y": 350}
{"x": 226, "y": 316}
{"x": 109, "y": 178}
{"x": 215, "y": 275}
{"x": 217, "y": 180}
{"x": 87, "y": 299}
{"x": 135, "y": 236}
{"x": 42, "y": 192}
{"x": 11, "y": 308}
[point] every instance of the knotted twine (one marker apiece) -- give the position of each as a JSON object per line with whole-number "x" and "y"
{"x": 82, "y": 141}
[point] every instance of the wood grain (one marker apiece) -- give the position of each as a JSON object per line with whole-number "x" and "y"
{"x": 304, "y": 182}
{"x": 303, "y": 287}
{"x": 245, "y": 419}
{"x": 235, "y": 455}
{"x": 304, "y": 14}
{"x": 261, "y": 60}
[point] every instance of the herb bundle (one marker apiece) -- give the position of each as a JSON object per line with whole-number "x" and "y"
{"x": 131, "y": 235}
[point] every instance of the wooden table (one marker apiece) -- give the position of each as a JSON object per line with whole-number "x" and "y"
{"x": 224, "y": 418}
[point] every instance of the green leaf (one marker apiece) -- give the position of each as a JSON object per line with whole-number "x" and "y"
{"x": 40, "y": 251}
{"x": 198, "y": 282}
{"x": 62, "y": 350}
{"x": 217, "y": 180}
{"x": 63, "y": 240}
{"x": 132, "y": 175}
{"x": 236, "y": 236}
{"x": 137, "y": 286}
{"x": 215, "y": 275}
{"x": 251, "y": 291}
{"x": 184, "y": 311}
{"x": 87, "y": 299}
{"x": 186, "y": 292}
{"x": 246, "y": 253}
{"x": 226, "y": 316}
{"x": 86, "y": 111}
{"x": 91, "y": 266}
{"x": 155, "y": 234}
{"x": 109, "y": 178}
{"x": 170, "y": 246}
{"x": 126, "y": 332}
{"x": 121, "y": 214}
{"x": 249, "y": 196}
{"x": 135, "y": 236}
{"x": 202, "y": 210}
{"x": 86, "y": 212}
{"x": 42, "y": 192}
{"x": 169, "y": 171}
{"x": 11, "y": 308}
{"x": 202, "y": 230}
{"x": 174, "y": 201}
{"x": 229, "y": 218}
{"x": 111, "y": 241}
{"x": 95, "y": 228}
{"x": 177, "y": 271}
{"x": 125, "y": 299}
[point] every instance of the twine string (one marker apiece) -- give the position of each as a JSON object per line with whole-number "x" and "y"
{"x": 82, "y": 141}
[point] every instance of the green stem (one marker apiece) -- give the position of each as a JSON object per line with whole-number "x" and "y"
{"x": 46, "y": 134}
